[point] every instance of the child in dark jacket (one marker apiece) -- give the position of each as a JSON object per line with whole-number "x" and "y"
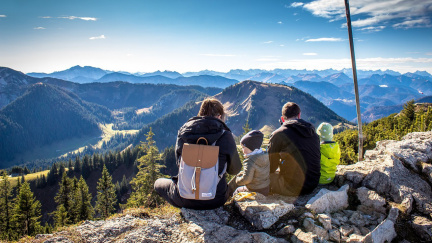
{"x": 256, "y": 167}
{"x": 330, "y": 153}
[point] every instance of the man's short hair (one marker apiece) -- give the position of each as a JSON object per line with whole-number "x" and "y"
{"x": 290, "y": 110}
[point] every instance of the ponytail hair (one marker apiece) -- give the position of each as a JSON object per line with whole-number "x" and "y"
{"x": 212, "y": 107}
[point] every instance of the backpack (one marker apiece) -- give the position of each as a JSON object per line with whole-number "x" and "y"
{"x": 198, "y": 171}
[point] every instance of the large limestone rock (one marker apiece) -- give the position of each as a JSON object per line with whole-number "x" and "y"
{"x": 304, "y": 237}
{"x": 423, "y": 227}
{"x": 260, "y": 211}
{"x": 210, "y": 226}
{"x": 370, "y": 200}
{"x": 122, "y": 229}
{"x": 391, "y": 170}
{"x": 329, "y": 201}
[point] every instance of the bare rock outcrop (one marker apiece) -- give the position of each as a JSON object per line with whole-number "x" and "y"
{"x": 260, "y": 211}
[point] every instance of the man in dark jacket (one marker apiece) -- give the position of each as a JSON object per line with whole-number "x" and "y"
{"x": 294, "y": 148}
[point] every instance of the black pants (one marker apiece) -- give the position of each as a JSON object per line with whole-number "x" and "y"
{"x": 167, "y": 188}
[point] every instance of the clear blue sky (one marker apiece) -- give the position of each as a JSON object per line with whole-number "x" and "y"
{"x": 193, "y": 35}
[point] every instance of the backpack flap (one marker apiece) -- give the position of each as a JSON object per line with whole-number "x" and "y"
{"x": 198, "y": 155}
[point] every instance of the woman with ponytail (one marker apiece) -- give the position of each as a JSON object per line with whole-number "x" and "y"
{"x": 208, "y": 124}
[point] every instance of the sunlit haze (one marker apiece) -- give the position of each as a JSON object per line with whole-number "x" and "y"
{"x": 194, "y": 35}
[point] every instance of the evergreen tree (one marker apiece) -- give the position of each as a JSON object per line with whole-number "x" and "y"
{"x": 409, "y": 110}
{"x": 18, "y": 186}
{"x": 70, "y": 167}
{"x": 106, "y": 197}
{"x": 52, "y": 174}
{"x": 124, "y": 185}
{"x": 6, "y": 208}
{"x": 26, "y": 170}
{"x": 75, "y": 204}
{"x": 85, "y": 209}
{"x": 64, "y": 196}
{"x": 60, "y": 216}
{"x": 77, "y": 165}
{"x": 86, "y": 167}
{"x": 26, "y": 212}
{"x": 246, "y": 129}
{"x": 148, "y": 172}
{"x": 169, "y": 160}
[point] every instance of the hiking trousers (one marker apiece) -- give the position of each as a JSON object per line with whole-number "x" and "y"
{"x": 167, "y": 189}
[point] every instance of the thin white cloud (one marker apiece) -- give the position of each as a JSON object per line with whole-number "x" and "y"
{"x": 296, "y": 4}
{"x": 82, "y": 18}
{"x": 280, "y": 22}
{"x": 402, "y": 65}
{"x": 366, "y": 13}
{"x": 415, "y": 23}
{"x": 282, "y": 45}
{"x": 331, "y": 39}
{"x": 98, "y": 37}
{"x": 373, "y": 28}
{"x": 267, "y": 42}
{"x": 39, "y": 28}
{"x": 71, "y": 18}
{"x": 310, "y": 54}
{"x": 217, "y": 55}
{"x": 267, "y": 59}
{"x": 429, "y": 53}
{"x": 2, "y": 16}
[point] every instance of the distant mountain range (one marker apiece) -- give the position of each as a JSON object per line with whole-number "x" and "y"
{"x": 165, "y": 100}
{"x": 89, "y": 74}
{"x": 332, "y": 87}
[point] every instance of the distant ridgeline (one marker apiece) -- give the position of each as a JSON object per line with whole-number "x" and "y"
{"x": 332, "y": 87}
{"x": 45, "y": 109}
{"x": 413, "y": 118}
{"x": 258, "y": 103}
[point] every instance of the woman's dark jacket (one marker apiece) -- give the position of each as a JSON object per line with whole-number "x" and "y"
{"x": 212, "y": 129}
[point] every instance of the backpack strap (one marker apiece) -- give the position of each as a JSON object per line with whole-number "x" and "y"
{"x": 225, "y": 167}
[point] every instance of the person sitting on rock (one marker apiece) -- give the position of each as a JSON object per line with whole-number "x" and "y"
{"x": 330, "y": 153}
{"x": 294, "y": 148}
{"x": 256, "y": 167}
{"x": 210, "y": 125}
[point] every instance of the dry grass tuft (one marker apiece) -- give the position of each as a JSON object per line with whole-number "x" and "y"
{"x": 164, "y": 211}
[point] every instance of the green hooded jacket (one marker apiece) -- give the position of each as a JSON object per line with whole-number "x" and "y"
{"x": 330, "y": 158}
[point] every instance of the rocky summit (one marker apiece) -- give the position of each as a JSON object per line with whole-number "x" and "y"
{"x": 385, "y": 198}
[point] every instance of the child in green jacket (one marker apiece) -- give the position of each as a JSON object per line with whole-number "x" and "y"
{"x": 330, "y": 153}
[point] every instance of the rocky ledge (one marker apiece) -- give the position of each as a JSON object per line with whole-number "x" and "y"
{"x": 387, "y": 197}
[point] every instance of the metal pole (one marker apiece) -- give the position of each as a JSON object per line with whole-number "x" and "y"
{"x": 354, "y": 69}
